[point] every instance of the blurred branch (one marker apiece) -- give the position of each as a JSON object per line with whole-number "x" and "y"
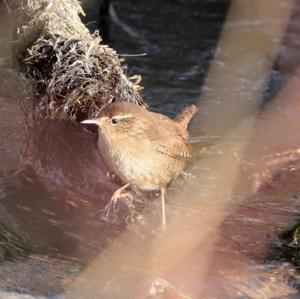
{"x": 7, "y": 6}
{"x": 244, "y": 59}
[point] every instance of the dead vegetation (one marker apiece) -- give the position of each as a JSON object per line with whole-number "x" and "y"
{"x": 73, "y": 75}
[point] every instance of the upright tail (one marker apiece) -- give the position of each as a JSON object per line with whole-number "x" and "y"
{"x": 184, "y": 117}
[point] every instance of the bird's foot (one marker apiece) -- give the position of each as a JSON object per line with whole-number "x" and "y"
{"x": 118, "y": 195}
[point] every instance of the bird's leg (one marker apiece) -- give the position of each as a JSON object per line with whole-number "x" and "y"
{"x": 118, "y": 194}
{"x": 163, "y": 209}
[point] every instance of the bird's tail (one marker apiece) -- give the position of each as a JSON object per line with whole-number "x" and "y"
{"x": 184, "y": 117}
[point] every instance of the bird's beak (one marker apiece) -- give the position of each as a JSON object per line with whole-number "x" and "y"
{"x": 91, "y": 121}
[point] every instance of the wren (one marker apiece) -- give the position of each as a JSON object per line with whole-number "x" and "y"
{"x": 146, "y": 150}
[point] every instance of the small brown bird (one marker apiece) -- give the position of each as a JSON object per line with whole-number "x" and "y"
{"x": 146, "y": 150}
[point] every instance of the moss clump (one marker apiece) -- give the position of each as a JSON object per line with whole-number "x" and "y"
{"x": 290, "y": 246}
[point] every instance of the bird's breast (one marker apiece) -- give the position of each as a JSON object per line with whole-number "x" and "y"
{"x": 140, "y": 164}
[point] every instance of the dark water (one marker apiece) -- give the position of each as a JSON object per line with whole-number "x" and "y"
{"x": 52, "y": 207}
{"x": 179, "y": 38}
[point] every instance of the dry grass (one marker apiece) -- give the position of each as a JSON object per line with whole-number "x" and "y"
{"x": 72, "y": 73}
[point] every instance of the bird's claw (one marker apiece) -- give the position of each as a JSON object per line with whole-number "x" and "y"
{"x": 113, "y": 201}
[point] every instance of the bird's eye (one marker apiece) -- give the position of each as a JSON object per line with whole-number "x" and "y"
{"x": 114, "y": 121}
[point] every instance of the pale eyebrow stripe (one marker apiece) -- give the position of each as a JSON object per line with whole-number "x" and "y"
{"x": 122, "y": 116}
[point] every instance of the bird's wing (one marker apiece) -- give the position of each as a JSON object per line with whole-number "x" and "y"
{"x": 177, "y": 151}
{"x": 169, "y": 140}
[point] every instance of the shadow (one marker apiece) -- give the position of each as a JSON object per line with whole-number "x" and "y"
{"x": 56, "y": 200}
